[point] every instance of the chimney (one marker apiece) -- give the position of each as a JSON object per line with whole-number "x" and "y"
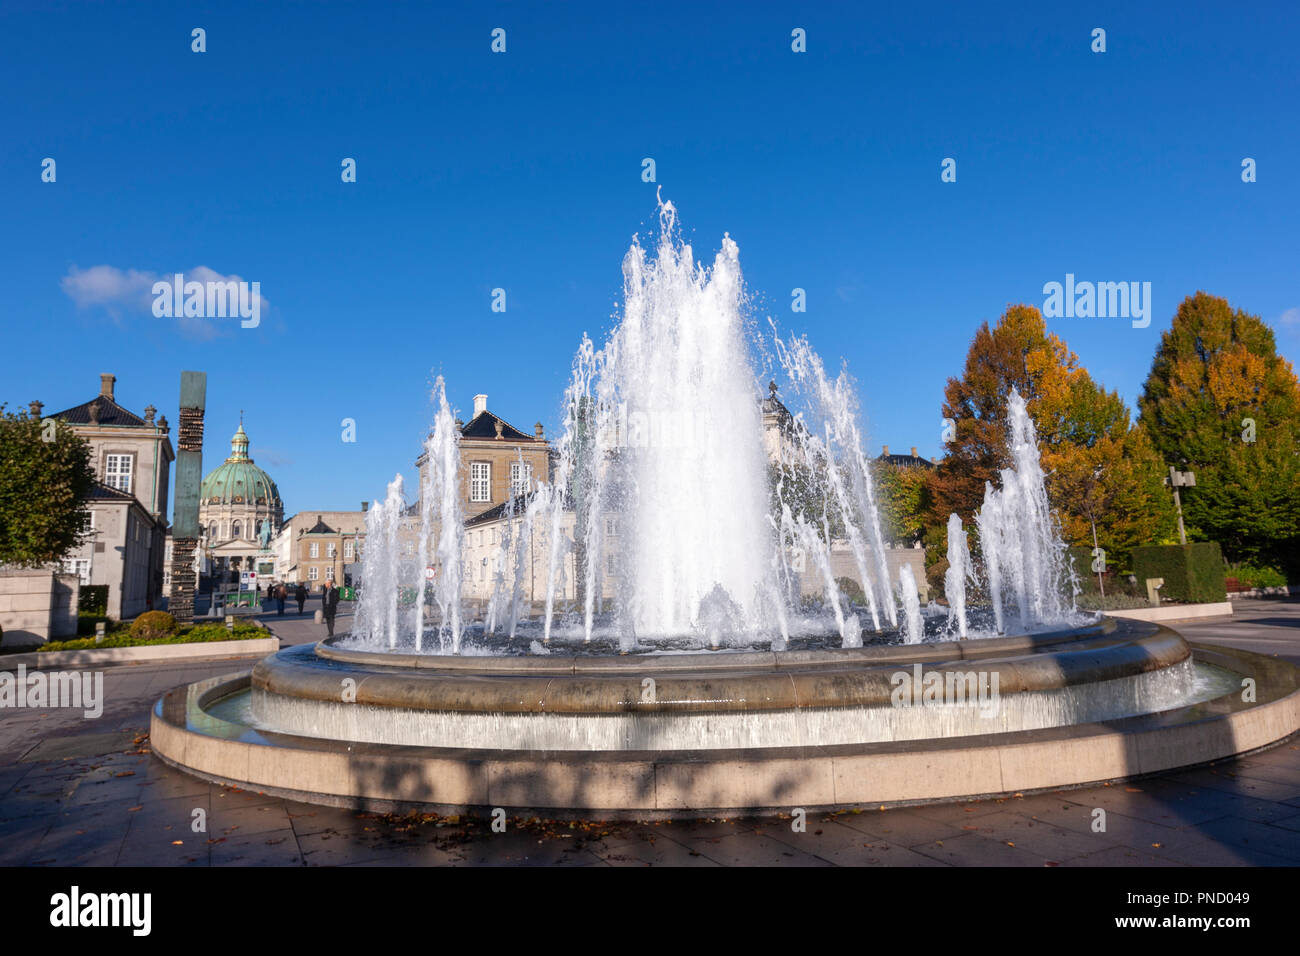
{"x": 365, "y": 506}
{"x": 106, "y": 386}
{"x": 885, "y": 453}
{"x": 914, "y": 454}
{"x": 539, "y": 432}
{"x": 480, "y": 405}
{"x": 36, "y": 408}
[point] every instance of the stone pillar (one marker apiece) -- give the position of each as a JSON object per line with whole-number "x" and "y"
{"x": 189, "y": 475}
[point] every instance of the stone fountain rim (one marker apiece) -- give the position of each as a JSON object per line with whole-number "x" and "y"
{"x": 677, "y": 784}
{"x": 831, "y": 680}
{"x": 559, "y": 664}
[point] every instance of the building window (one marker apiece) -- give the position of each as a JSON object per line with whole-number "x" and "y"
{"x": 314, "y": 552}
{"x": 349, "y": 550}
{"x": 213, "y": 530}
{"x": 117, "y": 472}
{"x": 312, "y": 573}
{"x": 80, "y": 567}
{"x": 521, "y": 477}
{"x": 480, "y": 481}
{"x": 235, "y": 529}
{"x": 331, "y": 549}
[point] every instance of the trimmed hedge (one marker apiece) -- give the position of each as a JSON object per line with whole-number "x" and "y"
{"x": 1192, "y": 572}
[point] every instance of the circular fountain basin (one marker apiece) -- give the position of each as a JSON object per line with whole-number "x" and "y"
{"x": 707, "y": 733}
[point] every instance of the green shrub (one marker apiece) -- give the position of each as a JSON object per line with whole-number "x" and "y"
{"x": 849, "y": 588}
{"x": 1256, "y": 576}
{"x": 93, "y": 599}
{"x": 1111, "y": 602}
{"x": 198, "y": 634}
{"x": 1192, "y": 572}
{"x": 153, "y": 626}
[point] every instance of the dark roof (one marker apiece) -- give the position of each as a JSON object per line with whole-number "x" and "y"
{"x": 498, "y": 512}
{"x": 906, "y": 461}
{"x": 483, "y": 425}
{"x": 102, "y": 492}
{"x": 110, "y": 413}
{"x": 320, "y": 527}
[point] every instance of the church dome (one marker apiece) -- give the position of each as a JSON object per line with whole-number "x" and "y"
{"x": 238, "y": 481}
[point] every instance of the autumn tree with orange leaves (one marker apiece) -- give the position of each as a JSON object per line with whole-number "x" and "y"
{"x": 1103, "y": 471}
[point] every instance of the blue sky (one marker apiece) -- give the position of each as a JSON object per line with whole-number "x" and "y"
{"x": 522, "y": 170}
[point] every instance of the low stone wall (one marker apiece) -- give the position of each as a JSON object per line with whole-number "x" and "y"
{"x": 1173, "y": 613}
{"x": 144, "y": 652}
{"x": 37, "y": 605}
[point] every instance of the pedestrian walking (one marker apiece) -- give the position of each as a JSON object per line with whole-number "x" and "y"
{"x": 279, "y": 600}
{"x": 300, "y": 593}
{"x": 330, "y": 605}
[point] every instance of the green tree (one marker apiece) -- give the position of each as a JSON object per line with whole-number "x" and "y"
{"x": 903, "y": 493}
{"x": 43, "y": 489}
{"x": 1219, "y": 401}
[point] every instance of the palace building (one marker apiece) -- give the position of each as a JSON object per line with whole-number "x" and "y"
{"x": 240, "y": 512}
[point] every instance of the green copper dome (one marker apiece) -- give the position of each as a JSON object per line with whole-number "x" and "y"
{"x": 239, "y": 481}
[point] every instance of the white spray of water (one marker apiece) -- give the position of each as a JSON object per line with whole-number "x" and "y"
{"x": 959, "y": 572}
{"x": 399, "y": 550}
{"x": 1018, "y": 529}
{"x": 987, "y": 522}
{"x": 384, "y": 575}
{"x": 829, "y": 447}
{"x": 670, "y": 440}
{"x": 913, "y": 629}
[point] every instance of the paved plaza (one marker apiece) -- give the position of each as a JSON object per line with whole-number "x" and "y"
{"x": 88, "y": 792}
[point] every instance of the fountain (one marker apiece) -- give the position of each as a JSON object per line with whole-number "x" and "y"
{"x": 706, "y": 657}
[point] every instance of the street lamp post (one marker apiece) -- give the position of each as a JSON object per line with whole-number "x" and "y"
{"x": 1180, "y": 479}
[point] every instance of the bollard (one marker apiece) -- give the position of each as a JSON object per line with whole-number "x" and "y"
{"x": 230, "y": 622}
{"x": 1153, "y": 588}
{"x": 99, "y": 632}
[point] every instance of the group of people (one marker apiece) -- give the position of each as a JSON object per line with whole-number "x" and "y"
{"x": 279, "y": 592}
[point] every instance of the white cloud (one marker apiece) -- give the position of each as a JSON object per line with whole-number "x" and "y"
{"x": 1290, "y": 319}
{"x": 109, "y": 287}
{"x": 131, "y": 290}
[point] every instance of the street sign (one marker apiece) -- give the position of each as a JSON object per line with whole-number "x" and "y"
{"x": 430, "y": 573}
